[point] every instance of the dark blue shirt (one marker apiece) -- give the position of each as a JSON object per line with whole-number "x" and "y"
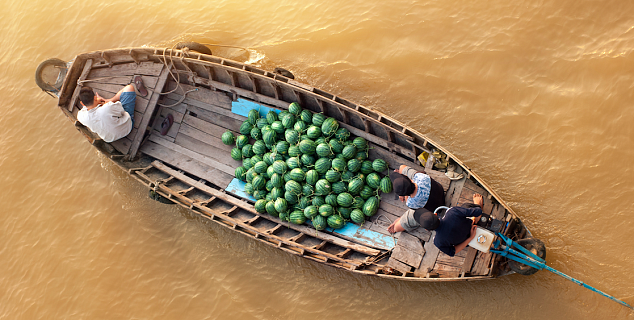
{"x": 455, "y": 228}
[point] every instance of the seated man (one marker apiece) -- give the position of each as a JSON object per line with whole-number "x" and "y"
{"x": 112, "y": 119}
{"x": 453, "y": 232}
{"x": 417, "y": 189}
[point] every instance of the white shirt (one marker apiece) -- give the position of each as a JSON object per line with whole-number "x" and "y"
{"x": 109, "y": 121}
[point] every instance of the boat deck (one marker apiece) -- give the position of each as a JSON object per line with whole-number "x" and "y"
{"x": 195, "y": 160}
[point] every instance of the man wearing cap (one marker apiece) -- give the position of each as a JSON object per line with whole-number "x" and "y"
{"x": 417, "y": 190}
{"x": 455, "y": 230}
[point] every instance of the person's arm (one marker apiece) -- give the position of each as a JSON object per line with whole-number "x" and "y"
{"x": 465, "y": 243}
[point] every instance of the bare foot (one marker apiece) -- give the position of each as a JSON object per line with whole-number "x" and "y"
{"x": 477, "y": 199}
{"x": 395, "y": 226}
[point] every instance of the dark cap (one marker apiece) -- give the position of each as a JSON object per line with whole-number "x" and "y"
{"x": 428, "y": 219}
{"x": 402, "y": 185}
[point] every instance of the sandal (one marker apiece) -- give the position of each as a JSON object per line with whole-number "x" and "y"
{"x": 167, "y": 124}
{"x": 140, "y": 87}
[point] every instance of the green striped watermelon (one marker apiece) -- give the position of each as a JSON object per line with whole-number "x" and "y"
{"x": 297, "y": 174}
{"x": 236, "y": 154}
{"x": 339, "y": 164}
{"x": 284, "y": 215}
{"x": 228, "y": 138}
{"x": 331, "y": 199}
{"x": 279, "y": 166}
{"x": 332, "y": 176}
{"x": 342, "y": 134}
{"x": 278, "y": 127}
{"x": 361, "y": 155}
{"x": 318, "y": 119}
{"x": 271, "y": 117}
{"x": 293, "y": 151}
{"x": 366, "y": 192}
{"x": 240, "y": 173}
{"x": 288, "y": 121}
{"x": 326, "y": 210}
{"x": 253, "y": 116}
{"x": 246, "y": 163}
{"x": 260, "y": 167}
{"x": 312, "y": 177}
{"x": 357, "y": 216}
{"x": 277, "y": 180}
{"x": 242, "y": 141}
{"x": 329, "y": 126}
{"x": 308, "y": 190}
{"x": 250, "y": 174}
{"x": 290, "y": 197}
{"x": 294, "y": 108}
{"x": 307, "y": 160}
{"x": 306, "y": 116}
{"x": 245, "y": 128}
{"x": 311, "y": 211}
{"x": 292, "y": 136}
{"x": 247, "y": 151}
{"x": 318, "y": 201}
{"x": 371, "y": 206}
{"x": 269, "y": 137}
{"x": 313, "y": 132}
{"x": 270, "y": 171}
{"x": 256, "y": 133}
{"x": 344, "y": 212}
{"x": 293, "y": 162}
{"x": 258, "y": 182}
{"x": 260, "y": 206}
{"x": 300, "y": 126}
{"x": 261, "y": 123}
{"x": 307, "y": 146}
{"x": 379, "y": 165}
{"x": 322, "y": 165}
{"x": 335, "y": 221}
{"x": 270, "y": 209}
{"x": 322, "y": 187}
{"x": 354, "y": 165}
{"x": 336, "y": 146}
{"x": 277, "y": 192}
{"x": 386, "y": 185}
{"x": 259, "y": 147}
{"x": 339, "y": 187}
{"x": 248, "y": 188}
{"x": 282, "y": 147}
{"x": 323, "y": 150}
{"x": 349, "y": 151}
{"x": 355, "y": 186}
{"x": 297, "y": 217}
{"x": 373, "y": 180}
{"x": 345, "y": 199}
{"x": 293, "y": 186}
{"x": 319, "y": 222}
{"x": 360, "y": 143}
{"x": 366, "y": 167}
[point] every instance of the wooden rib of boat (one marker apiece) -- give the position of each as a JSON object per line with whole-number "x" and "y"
{"x": 190, "y": 166}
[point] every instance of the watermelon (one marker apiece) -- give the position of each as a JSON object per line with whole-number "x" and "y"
{"x": 260, "y": 167}
{"x": 279, "y": 166}
{"x": 331, "y": 199}
{"x": 293, "y": 151}
{"x": 260, "y": 206}
{"x": 336, "y": 146}
{"x": 318, "y": 119}
{"x": 240, "y": 173}
{"x": 270, "y": 172}
{"x": 355, "y": 186}
{"x": 312, "y": 177}
{"x": 271, "y": 117}
{"x": 294, "y": 108}
{"x": 248, "y": 188}
{"x": 292, "y": 137}
{"x": 333, "y": 176}
{"x": 308, "y": 190}
{"x": 326, "y": 210}
{"x": 322, "y": 165}
{"x": 319, "y": 222}
{"x": 344, "y": 212}
{"x": 288, "y": 121}
{"x": 303, "y": 202}
{"x": 339, "y": 164}
{"x": 228, "y": 138}
{"x": 339, "y": 187}
{"x": 322, "y": 187}
{"x": 345, "y": 199}
{"x": 297, "y": 174}
{"x": 366, "y": 167}
{"x": 255, "y": 159}
{"x": 261, "y": 123}
{"x": 283, "y": 114}
{"x": 335, "y": 221}
{"x": 269, "y": 137}
{"x": 313, "y": 132}
{"x": 269, "y": 185}
{"x": 290, "y": 197}
{"x": 282, "y": 147}
{"x": 300, "y": 126}
{"x": 236, "y": 154}
{"x": 361, "y": 155}
{"x": 386, "y": 185}
{"x": 258, "y": 183}
{"x": 357, "y": 216}
{"x": 278, "y": 127}
{"x": 373, "y": 180}
{"x": 307, "y": 146}
{"x": 256, "y": 133}
{"x": 318, "y": 201}
{"x": 270, "y": 208}
{"x": 342, "y": 134}
{"x": 259, "y": 147}
{"x": 371, "y": 206}
{"x": 250, "y": 174}
{"x": 259, "y": 194}
{"x": 358, "y": 203}
{"x": 245, "y": 128}
{"x": 297, "y": 217}
{"x": 360, "y": 143}
{"x": 277, "y": 192}
{"x": 354, "y": 165}
{"x": 323, "y": 150}
{"x": 347, "y": 175}
{"x": 293, "y": 162}
{"x": 306, "y": 116}
{"x": 307, "y": 160}
{"x": 277, "y": 180}
{"x": 366, "y": 192}
{"x": 247, "y": 151}
{"x": 329, "y": 127}
{"x": 349, "y": 151}
{"x": 242, "y": 141}
{"x": 379, "y": 165}
{"x": 311, "y": 211}
{"x": 246, "y": 163}
{"x": 253, "y": 116}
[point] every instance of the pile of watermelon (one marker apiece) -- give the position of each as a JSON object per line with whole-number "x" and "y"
{"x": 302, "y": 166}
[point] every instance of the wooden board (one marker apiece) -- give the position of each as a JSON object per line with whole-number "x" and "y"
{"x": 468, "y": 261}
{"x": 407, "y": 256}
{"x": 187, "y": 164}
{"x": 209, "y": 150}
{"x": 122, "y": 145}
{"x": 447, "y": 266}
{"x": 147, "y": 68}
{"x": 74, "y": 99}
{"x": 429, "y": 259}
{"x": 148, "y": 81}
{"x": 481, "y": 264}
{"x": 397, "y": 265}
{"x": 202, "y": 95}
{"x": 215, "y": 118}
{"x": 453, "y": 194}
{"x": 214, "y": 163}
{"x": 410, "y": 242}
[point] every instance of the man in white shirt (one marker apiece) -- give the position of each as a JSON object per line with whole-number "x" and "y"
{"x": 112, "y": 119}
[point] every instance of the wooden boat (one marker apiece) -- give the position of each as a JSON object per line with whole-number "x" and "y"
{"x": 189, "y": 166}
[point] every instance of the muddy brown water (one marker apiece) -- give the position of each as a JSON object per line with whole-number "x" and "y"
{"x": 537, "y": 97}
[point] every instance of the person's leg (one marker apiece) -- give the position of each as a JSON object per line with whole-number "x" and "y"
{"x": 128, "y": 101}
{"x": 436, "y": 196}
{"x": 117, "y": 97}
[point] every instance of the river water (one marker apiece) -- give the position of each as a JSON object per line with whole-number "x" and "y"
{"x": 537, "y": 97}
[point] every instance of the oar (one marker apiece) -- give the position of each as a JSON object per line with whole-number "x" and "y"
{"x": 530, "y": 259}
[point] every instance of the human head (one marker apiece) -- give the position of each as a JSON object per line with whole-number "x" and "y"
{"x": 87, "y": 96}
{"x": 428, "y": 219}
{"x": 403, "y": 186}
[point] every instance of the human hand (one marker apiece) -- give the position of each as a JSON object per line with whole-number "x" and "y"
{"x": 473, "y": 231}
